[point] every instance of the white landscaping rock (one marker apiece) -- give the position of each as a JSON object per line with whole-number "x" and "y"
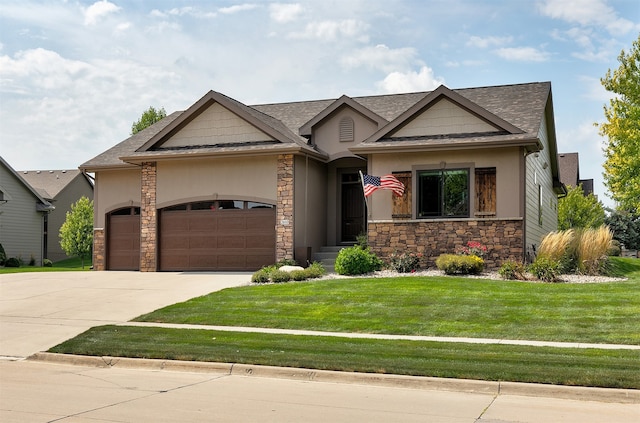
{"x": 290, "y": 268}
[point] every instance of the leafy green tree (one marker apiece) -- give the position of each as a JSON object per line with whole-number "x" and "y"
{"x": 148, "y": 118}
{"x": 622, "y": 128}
{"x": 577, "y": 210}
{"x": 625, "y": 227}
{"x": 76, "y": 233}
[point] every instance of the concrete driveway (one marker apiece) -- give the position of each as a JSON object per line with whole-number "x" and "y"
{"x": 40, "y": 310}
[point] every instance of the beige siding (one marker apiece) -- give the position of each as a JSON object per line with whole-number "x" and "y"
{"x": 444, "y": 117}
{"x": 538, "y": 173}
{"x": 327, "y": 135}
{"x": 76, "y": 189}
{"x": 249, "y": 179}
{"x": 310, "y": 199}
{"x": 21, "y": 226}
{"x": 506, "y": 162}
{"x": 214, "y": 126}
{"x": 115, "y": 189}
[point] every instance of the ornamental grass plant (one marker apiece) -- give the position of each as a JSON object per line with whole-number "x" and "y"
{"x": 592, "y": 250}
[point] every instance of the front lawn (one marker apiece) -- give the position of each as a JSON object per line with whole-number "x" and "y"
{"x": 68, "y": 265}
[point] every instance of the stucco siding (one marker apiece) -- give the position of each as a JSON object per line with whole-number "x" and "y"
{"x": 249, "y": 179}
{"x": 444, "y": 117}
{"x": 310, "y": 215}
{"x": 21, "y": 225}
{"x": 541, "y": 209}
{"x": 508, "y": 186}
{"x": 216, "y": 125}
{"x": 115, "y": 189}
{"x": 327, "y": 135}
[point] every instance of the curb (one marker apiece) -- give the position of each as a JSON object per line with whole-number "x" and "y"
{"x": 610, "y": 395}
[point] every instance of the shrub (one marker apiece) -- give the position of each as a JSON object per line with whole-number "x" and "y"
{"x": 473, "y": 248}
{"x": 362, "y": 241}
{"x": 545, "y": 269}
{"x": 261, "y": 276}
{"x": 32, "y": 261}
{"x": 356, "y": 261}
{"x": 592, "y": 250}
{"x": 278, "y": 276}
{"x": 47, "y": 263}
{"x": 616, "y": 249}
{"x": 453, "y": 264}
{"x": 286, "y": 262}
{"x": 560, "y": 247}
{"x": 405, "y": 262}
{"x": 12, "y": 262}
{"x": 512, "y": 270}
{"x": 298, "y": 275}
{"x": 3, "y": 256}
{"x": 315, "y": 270}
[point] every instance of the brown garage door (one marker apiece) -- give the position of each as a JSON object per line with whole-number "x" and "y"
{"x": 221, "y": 235}
{"x": 123, "y": 243}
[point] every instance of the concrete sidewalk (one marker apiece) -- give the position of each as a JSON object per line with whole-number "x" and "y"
{"x": 386, "y": 336}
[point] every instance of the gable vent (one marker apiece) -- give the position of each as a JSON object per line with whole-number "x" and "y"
{"x": 346, "y": 129}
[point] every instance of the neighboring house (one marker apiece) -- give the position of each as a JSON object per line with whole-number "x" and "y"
{"x": 569, "y": 167}
{"x": 62, "y": 188}
{"x": 226, "y": 186}
{"x": 23, "y": 216}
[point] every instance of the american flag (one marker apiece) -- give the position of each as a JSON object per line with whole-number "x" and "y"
{"x": 372, "y": 183}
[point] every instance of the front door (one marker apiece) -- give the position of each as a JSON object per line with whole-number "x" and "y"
{"x": 352, "y": 208}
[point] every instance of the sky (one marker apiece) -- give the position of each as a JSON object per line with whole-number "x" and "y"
{"x": 75, "y": 74}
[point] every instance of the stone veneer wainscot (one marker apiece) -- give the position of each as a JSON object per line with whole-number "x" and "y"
{"x": 284, "y": 208}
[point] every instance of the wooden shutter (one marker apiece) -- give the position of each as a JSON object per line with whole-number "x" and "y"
{"x": 402, "y": 205}
{"x": 485, "y": 192}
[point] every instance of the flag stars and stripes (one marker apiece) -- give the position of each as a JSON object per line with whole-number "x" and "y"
{"x": 372, "y": 183}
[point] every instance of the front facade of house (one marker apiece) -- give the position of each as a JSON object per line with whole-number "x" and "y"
{"x": 226, "y": 186}
{"x": 23, "y": 217}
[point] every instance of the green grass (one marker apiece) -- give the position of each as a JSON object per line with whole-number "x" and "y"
{"x": 580, "y": 367}
{"x": 430, "y": 306}
{"x": 68, "y": 265}
{"x": 604, "y": 312}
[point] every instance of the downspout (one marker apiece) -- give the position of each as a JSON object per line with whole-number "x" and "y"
{"x": 306, "y": 198}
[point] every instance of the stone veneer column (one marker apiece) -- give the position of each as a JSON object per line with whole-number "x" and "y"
{"x": 284, "y": 208}
{"x": 148, "y": 221}
{"x": 98, "y": 249}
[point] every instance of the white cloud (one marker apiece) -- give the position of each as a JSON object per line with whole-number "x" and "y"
{"x": 399, "y": 82}
{"x": 283, "y": 13}
{"x": 237, "y": 8}
{"x": 587, "y": 13}
{"x": 484, "y": 42}
{"x": 333, "y": 30}
{"x": 522, "y": 54}
{"x": 380, "y": 57}
{"x": 98, "y": 10}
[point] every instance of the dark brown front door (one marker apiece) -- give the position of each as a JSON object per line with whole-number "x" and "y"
{"x": 352, "y": 208}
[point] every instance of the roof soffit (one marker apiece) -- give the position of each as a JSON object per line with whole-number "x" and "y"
{"x": 266, "y": 124}
{"x": 343, "y": 101}
{"x": 434, "y": 97}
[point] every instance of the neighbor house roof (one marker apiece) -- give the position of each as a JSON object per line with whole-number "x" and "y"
{"x": 49, "y": 183}
{"x": 41, "y": 203}
{"x": 515, "y": 110}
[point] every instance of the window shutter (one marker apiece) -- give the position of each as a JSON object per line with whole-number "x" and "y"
{"x": 485, "y": 191}
{"x": 402, "y": 205}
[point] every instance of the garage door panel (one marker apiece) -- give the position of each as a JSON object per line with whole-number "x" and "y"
{"x": 236, "y": 239}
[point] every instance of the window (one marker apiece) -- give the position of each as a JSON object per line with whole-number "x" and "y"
{"x": 485, "y": 191}
{"x": 443, "y": 193}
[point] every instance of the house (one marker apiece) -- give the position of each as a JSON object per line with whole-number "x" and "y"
{"x": 23, "y": 217}
{"x": 569, "y": 168}
{"x": 61, "y": 188}
{"x": 226, "y": 186}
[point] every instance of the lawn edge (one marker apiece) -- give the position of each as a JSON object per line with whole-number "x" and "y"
{"x": 611, "y": 395}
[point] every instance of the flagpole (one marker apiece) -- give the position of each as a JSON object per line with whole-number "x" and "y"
{"x": 366, "y": 204}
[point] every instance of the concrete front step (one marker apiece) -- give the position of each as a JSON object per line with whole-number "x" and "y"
{"x": 327, "y": 256}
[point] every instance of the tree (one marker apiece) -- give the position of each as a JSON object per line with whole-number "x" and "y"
{"x": 622, "y": 128}
{"x": 626, "y": 228}
{"x": 148, "y": 118}
{"x": 577, "y": 210}
{"x": 76, "y": 233}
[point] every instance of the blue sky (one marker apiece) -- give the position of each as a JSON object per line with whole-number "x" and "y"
{"x": 74, "y": 75}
